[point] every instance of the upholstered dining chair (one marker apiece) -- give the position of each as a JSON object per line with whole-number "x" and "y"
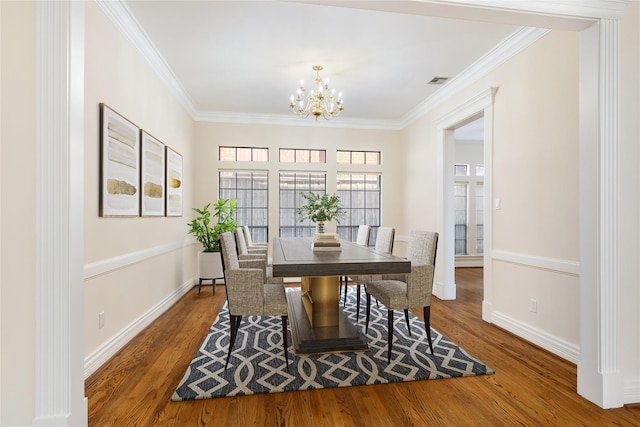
{"x": 245, "y": 254}
{"x": 241, "y": 241}
{"x": 249, "y": 295}
{"x": 384, "y": 244}
{"x": 250, "y": 243}
{"x": 362, "y": 238}
{"x": 405, "y": 291}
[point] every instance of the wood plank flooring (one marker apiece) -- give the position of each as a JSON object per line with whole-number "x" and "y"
{"x": 531, "y": 387}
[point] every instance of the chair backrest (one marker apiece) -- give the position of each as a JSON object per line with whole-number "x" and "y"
{"x": 228, "y": 251}
{"x": 422, "y": 247}
{"x": 363, "y": 235}
{"x": 421, "y": 251}
{"x": 241, "y": 242}
{"x": 384, "y": 239}
{"x": 245, "y": 286}
{"x": 247, "y": 236}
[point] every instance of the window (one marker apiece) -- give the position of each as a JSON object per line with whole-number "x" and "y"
{"x": 360, "y": 197}
{"x": 251, "y": 189}
{"x": 292, "y": 184}
{"x": 289, "y": 155}
{"x": 461, "y": 170}
{"x": 479, "y": 218}
{"x": 358, "y": 157}
{"x": 243, "y": 154}
{"x": 460, "y": 194}
{"x": 469, "y": 209}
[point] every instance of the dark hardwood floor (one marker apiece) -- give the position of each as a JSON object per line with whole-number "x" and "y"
{"x": 531, "y": 387}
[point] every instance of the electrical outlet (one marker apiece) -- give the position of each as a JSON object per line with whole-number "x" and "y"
{"x": 101, "y": 319}
{"x": 534, "y": 305}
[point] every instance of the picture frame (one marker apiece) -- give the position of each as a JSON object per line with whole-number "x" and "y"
{"x": 174, "y": 182}
{"x": 119, "y": 165}
{"x": 152, "y": 175}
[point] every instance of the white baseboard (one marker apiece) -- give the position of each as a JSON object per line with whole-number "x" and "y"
{"x": 444, "y": 291}
{"x": 631, "y": 391}
{"x": 555, "y": 345}
{"x": 96, "y": 359}
{"x": 469, "y": 261}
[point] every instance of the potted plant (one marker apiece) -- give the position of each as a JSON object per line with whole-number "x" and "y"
{"x": 206, "y": 232}
{"x": 321, "y": 208}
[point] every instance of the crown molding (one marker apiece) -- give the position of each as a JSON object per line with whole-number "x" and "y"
{"x": 123, "y": 19}
{"x": 292, "y": 120}
{"x": 519, "y": 40}
{"x": 509, "y": 47}
{"x": 591, "y": 9}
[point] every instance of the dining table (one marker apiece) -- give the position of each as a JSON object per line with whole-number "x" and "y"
{"x": 318, "y": 322}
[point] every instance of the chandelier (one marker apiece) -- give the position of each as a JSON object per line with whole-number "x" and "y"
{"x": 321, "y": 101}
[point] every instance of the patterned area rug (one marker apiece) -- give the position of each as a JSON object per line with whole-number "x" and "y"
{"x": 257, "y": 363}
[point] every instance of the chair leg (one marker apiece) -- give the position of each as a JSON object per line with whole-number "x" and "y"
{"x": 406, "y": 318}
{"x": 235, "y": 325}
{"x": 427, "y": 325}
{"x": 390, "y": 329}
{"x": 346, "y": 283}
{"x": 366, "y": 328}
{"x": 358, "y": 303}
{"x": 285, "y": 342}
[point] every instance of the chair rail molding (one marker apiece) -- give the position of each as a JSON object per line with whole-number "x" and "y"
{"x": 109, "y": 265}
{"x": 555, "y": 265}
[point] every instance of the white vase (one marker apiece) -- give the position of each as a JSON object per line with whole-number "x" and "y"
{"x": 209, "y": 268}
{"x": 320, "y": 227}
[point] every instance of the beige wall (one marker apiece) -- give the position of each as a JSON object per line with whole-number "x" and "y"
{"x": 17, "y": 212}
{"x": 133, "y": 265}
{"x": 132, "y": 254}
{"x": 535, "y": 174}
{"x": 210, "y": 136}
{"x": 630, "y": 195}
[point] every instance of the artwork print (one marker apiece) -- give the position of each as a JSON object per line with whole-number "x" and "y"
{"x": 152, "y": 176}
{"x": 120, "y": 165}
{"x": 174, "y": 183}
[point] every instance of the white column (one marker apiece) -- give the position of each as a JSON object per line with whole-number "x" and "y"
{"x": 59, "y": 359}
{"x": 599, "y": 376}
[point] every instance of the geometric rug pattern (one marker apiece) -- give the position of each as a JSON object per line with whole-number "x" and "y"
{"x": 257, "y": 363}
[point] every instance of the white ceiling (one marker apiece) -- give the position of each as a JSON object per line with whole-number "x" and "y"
{"x": 247, "y": 57}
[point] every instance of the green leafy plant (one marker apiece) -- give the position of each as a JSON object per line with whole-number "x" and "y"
{"x": 321, "y": 207}
{"x": 206, "y": 232}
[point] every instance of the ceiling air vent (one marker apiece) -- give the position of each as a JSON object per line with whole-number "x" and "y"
{"x": 438, "y": 80}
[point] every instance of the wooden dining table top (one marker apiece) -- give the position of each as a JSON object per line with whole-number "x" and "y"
{"x": 294, "y": 257}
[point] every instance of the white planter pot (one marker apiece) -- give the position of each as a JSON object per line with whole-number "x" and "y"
{"x": 209, "y": 268}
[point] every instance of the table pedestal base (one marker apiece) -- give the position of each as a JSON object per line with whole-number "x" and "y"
{"x": 321, "y": 339}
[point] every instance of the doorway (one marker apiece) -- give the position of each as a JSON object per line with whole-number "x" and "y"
{"x": 468, "y": 192}
{"x": 479, "y": 107}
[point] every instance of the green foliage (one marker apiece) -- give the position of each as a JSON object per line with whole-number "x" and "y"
{"x": 321, "y": 207}
{"x": 206, "y": 232}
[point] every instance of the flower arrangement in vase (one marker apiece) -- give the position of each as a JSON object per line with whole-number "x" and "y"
{"x": 321, "y": 208}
